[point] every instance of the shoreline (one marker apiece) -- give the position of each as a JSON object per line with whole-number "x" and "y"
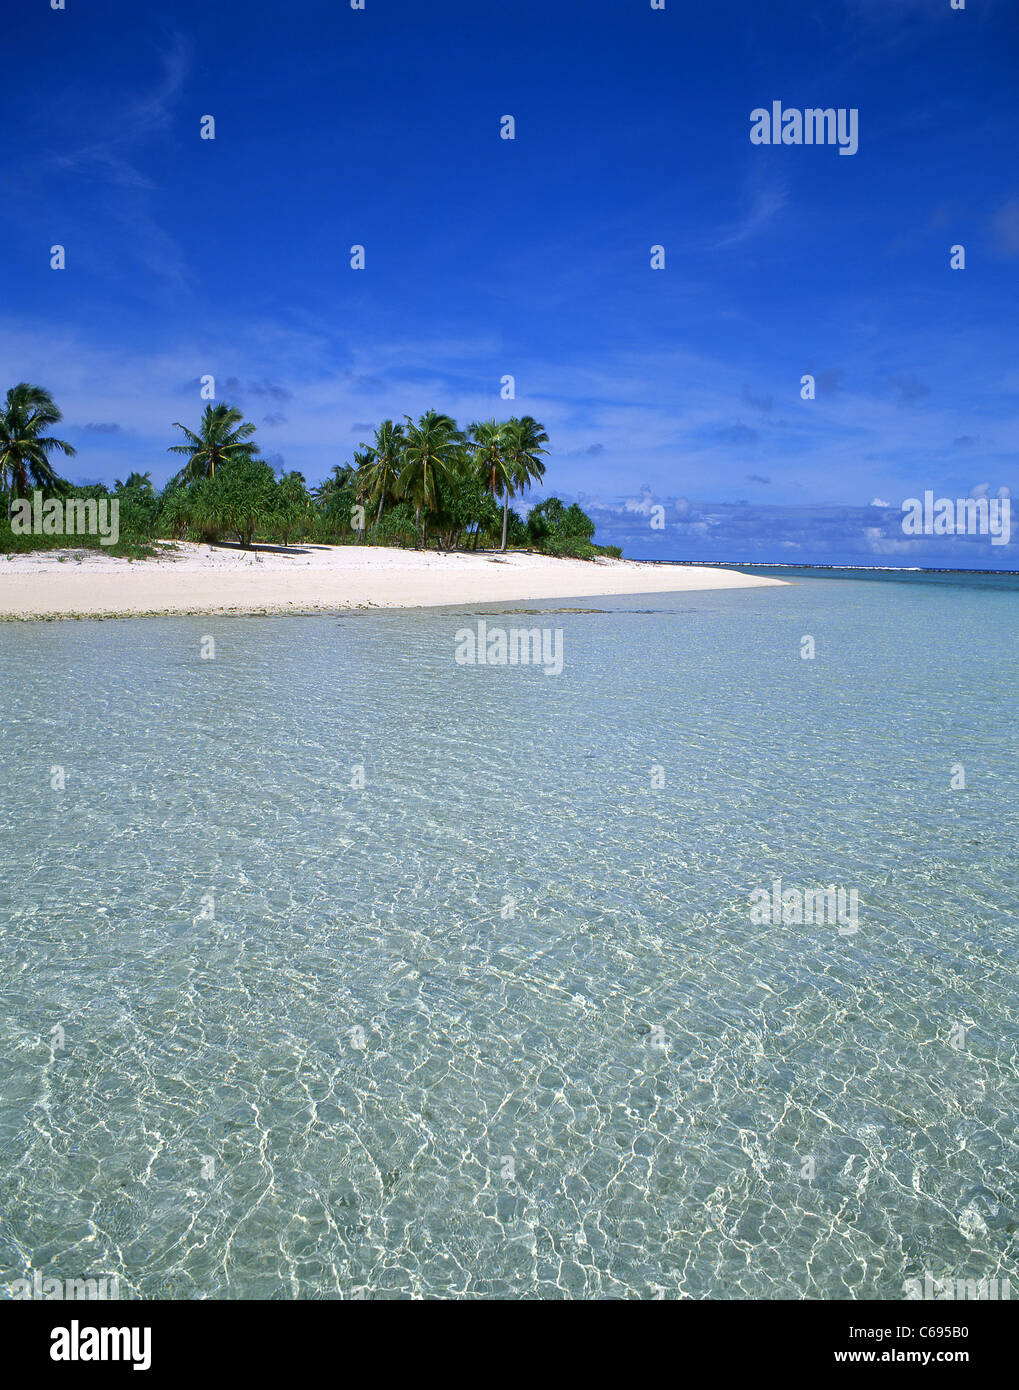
{"x": 193, "y": 580}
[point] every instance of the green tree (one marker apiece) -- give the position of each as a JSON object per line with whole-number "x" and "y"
{"x": 139, "y": 504}
{"x": 398, "y": 524}
{"x": 384, "y": 469}
{"x": 524, "y": 444}
{"x": 547, "y": 519}
{"x": 139, "y": 482}
{"x": 538, "y": 527}
{"x": 340, "y": 479}
{"x": 175, "y": 512}
{"x": 428, "y": 454}
{"x": 488, "y": 439}
{"x": 242, "y": 498}
{"x": 577, "y": 523}
{"x": 293, "y": 504}
{"x": 25, "y": 447}
{"x": 560, "y": 530}
{"x": 463, "y": 502}
{"x": 335, "y": 500}
{"x": 363, "y": 460}
{"x": 223, "y": 434}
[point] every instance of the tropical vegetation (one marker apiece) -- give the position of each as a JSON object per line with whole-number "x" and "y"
{"x": 25, "y": 447}
{"x": 417, "y": 482}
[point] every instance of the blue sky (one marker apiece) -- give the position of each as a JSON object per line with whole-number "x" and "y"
{"x": 487, "y": 257}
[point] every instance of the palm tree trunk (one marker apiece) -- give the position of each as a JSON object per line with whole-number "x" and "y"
{"x": 505, "y": 517}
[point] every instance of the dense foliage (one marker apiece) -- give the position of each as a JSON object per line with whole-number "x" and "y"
{"x": 418, "y": 482}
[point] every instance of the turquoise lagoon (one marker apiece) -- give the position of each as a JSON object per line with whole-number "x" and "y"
{"x": 498, "y": 1022}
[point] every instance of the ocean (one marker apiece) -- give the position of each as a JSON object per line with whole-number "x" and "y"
{"x": 334, "y": 967}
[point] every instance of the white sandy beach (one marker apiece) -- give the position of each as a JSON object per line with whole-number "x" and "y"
{"x": 198, "y": 579}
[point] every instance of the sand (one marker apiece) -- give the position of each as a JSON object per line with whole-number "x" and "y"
{"x": 198, "y": 579}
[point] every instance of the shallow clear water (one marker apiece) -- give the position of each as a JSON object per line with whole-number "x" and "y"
{"x": 612, "y": 1085}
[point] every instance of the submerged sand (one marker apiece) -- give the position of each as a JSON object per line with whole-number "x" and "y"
{"x": 199, "y": 579}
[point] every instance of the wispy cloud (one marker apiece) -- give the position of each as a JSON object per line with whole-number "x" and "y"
{"x": 1005, "y": 228}
{"x": 130, "y": 126}
{"x": 763, "y": 201}
{"x": 114, "y": 138}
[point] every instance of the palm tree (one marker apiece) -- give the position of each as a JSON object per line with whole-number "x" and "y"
{"x": 134, "y": 480}
{"x": 524, "y": 441}
{"x": 342, "y": 476}
{"x": 362, "y": 468}
{"x": 428, "y": 453}
{"x": 488, "y": 441}
{"x": 385, "y": 464}
{"x": 24, "y": 447}
{"x": 221, "y": 436}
